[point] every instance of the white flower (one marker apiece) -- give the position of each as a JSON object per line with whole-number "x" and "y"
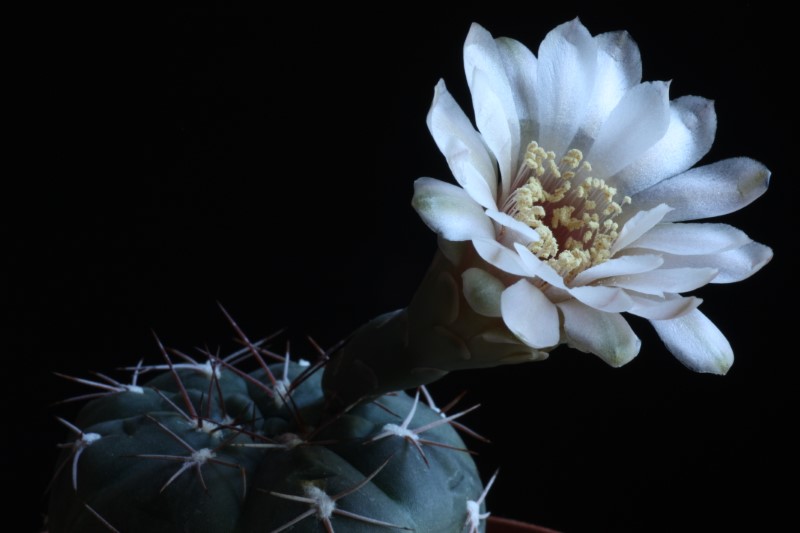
{"x": 574, "y": 189}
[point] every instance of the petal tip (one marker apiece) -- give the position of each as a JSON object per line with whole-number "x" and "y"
{"x": 723, "y": 365}
{"x": 624, "y": 354}
{"x": 476, "y": 35}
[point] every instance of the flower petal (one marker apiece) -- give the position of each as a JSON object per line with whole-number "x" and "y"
{"x": 607, "y": 335}
{"x": 619, "y": 67}
{"x": 640, "y": 119}
{"x": 691, "y": 238}
{"x": 538, "y": 268}
{"x": 658, "y": 308}
{"x": 692, "y": 126}
{"x": 482, "y": 292}
{"x": 462, "y": 146}
{"x": 638, "y": 225}
{"x": 619, "y": 54}
{"x": 530, "y": 315}
{"x": 492, "y": 100}
{"x": 452, "y": 250}
{"x": 449, "y": 211}
{"x": 566, "y": 74}
{"x": 609, "y": 299}
{"x": 520, "y": 232}
{"x": 521, "y": 66}
{"x": 708, "y": 191}
{"x": 499, "y": 256}
{"x": 733, "y": 265}
{"x": 666, "y": 280}
{"x": 619, "y": 266}
{"x": 696, "y": 342}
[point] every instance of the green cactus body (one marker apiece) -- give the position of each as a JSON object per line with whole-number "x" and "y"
{"x": 214, "y": 450}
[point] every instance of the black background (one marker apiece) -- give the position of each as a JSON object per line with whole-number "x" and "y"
{"x": 176, "y": 158}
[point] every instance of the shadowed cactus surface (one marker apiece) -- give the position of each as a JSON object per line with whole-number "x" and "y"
{"x": 207, "y": 447}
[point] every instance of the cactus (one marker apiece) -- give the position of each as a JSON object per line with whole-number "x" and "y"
{"x": 535, "y": 252}
{"x": 210, "y": 447}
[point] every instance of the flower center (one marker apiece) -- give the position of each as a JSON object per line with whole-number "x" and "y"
{"x": 572, "y": 212}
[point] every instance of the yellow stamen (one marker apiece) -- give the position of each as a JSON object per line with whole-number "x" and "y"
{"x": 581, "y": 227}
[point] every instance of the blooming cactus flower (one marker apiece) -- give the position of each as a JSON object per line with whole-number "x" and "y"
{"x": 575, "y": 191}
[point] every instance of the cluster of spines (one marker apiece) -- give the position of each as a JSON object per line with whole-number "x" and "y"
{"x": 239, "y": 432}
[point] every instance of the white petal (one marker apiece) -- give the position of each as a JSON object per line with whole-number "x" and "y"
{"x": 538, "y": 268}
{"x": 638, "y": 225}
{"x": 692, "y": 126}
{"x": 691, "y": 238}
{"x": 696, "y": 342}
{"x": 666, "y": 280}
{"x": 530, "y": 315}
{"x": 482, "y": 291}
{"x": 620, "y": 54}
{"x": 640, "y": 119}
{"x": 733, "y": 265}
{"x": 708, "y": 191}
{"x": 453, "y": 251}
{"x": 619, "y": 266}
{"x": 521, "y": 66}
{"x": 462, "y": 146}
{"x": 449, "y": 211}
{"x": 619, "y": 67}
{"x": 499, "y": 256}
{"x": 521, "y": 232}
{"x": 658, "y": 308}
{"x": 606, "y": 335}
{"x": 566, "y": 74}
{"x": 492, "y": 100}
{"x": 609, "y": 299}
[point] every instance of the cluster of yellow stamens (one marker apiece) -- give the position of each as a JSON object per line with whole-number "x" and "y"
{"x": 572, "y": 212}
